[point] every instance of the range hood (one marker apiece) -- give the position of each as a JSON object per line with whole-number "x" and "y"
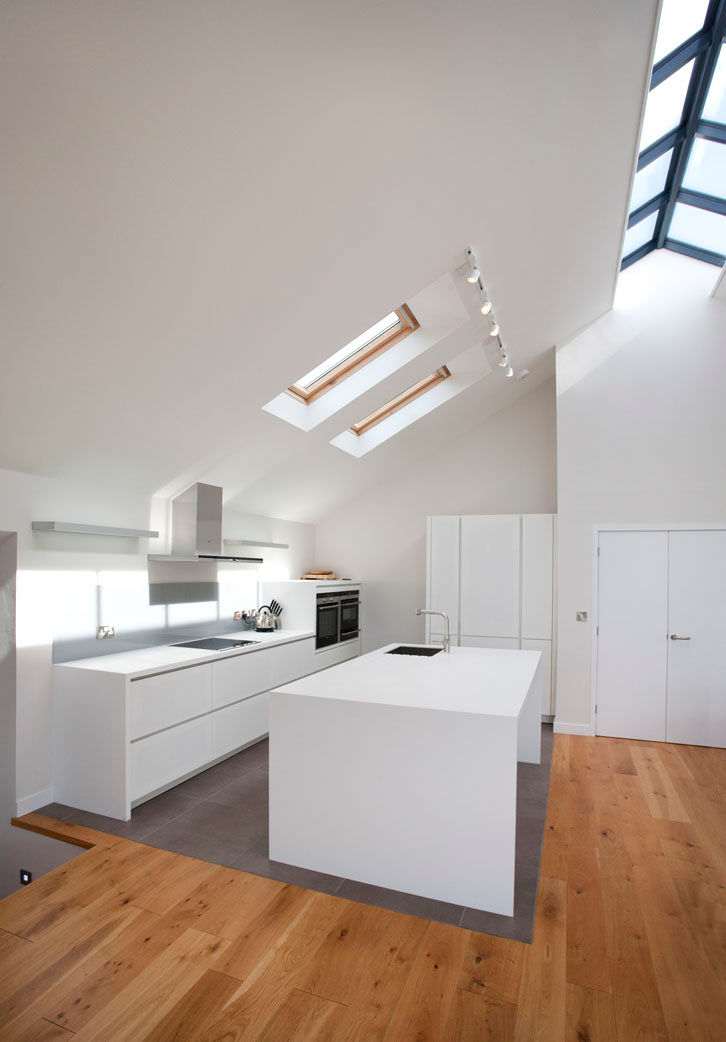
{"x": 196, "y": 527}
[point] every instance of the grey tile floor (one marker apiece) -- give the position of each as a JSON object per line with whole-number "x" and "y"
{"x": 221, "y": 816}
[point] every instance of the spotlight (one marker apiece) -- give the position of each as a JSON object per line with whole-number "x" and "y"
{"x": 509, "y": 371}
{"x": 474, "y": 275}
{"x": 486, "y": 304}
{"x": 503, "y": 360}
{"x": 494, "y": 331}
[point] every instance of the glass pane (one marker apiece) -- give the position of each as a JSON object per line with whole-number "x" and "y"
{"x": 698, "y": 228}
{"x": 665, "y": 105}
{"x": 679, "y": 19}
{"x": 650, "y": 180}
{"x": 386, "y": 323}
{"x": 706, "y": 170}
{"x": 640, "y": 233}
{"x": 715, "y": 105}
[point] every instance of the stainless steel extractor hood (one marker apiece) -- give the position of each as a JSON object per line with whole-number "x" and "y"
{"x": 196, "y": 527}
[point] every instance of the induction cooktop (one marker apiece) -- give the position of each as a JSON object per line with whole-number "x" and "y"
{"x": 215, "y": 644}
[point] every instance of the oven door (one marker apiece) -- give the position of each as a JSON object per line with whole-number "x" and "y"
{"x": 327, "y": 625}
{"x": 349, "y": 617}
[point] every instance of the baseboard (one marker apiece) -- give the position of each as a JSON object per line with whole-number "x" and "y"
{"x": 27, "y": 804}
{"x": 561, "y": 727}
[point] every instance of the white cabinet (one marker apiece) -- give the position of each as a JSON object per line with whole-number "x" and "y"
{"x": 489, "y": 576}
{"x": 443, "y": 571}
{"x": 240, "y": 724}
{"x": 293, "y": 660}
{"x": 168, "y": 698}
{"x": 493, "y": 575}
{"x": 169, "y": 755}
{"x": 240, "y": 676}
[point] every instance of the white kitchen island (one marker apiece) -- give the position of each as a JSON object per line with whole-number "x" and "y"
{"x": 401, "y": 771}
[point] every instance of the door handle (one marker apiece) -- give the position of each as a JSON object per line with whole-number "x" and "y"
{"x": 674, "y": 637}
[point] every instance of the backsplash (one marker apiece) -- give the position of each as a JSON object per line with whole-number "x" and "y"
{"x": 142, "y": 614}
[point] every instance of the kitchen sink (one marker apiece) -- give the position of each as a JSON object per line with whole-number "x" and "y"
{"x": 405, "y": 649}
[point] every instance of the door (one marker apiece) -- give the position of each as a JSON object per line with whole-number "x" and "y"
{"x": 633, "y": 623}
{"x": 696, "y": 703}
{"x": 443, "y": 574}
{"x": 490, "y": 576}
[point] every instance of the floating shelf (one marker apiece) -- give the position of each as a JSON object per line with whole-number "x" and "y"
{"x": 68, "y": 526}
{"x": 253, "y": 542}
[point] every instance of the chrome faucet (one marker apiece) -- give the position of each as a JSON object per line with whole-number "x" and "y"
{"x": 445, "y": 617}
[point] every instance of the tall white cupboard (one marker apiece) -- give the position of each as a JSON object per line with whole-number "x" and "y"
{"x": 493, "y": 576}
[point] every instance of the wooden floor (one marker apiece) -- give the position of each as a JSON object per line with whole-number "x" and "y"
{"x": 131, "y": 942}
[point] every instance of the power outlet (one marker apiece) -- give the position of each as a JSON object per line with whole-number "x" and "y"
{"x": 237, "y": 617}
{"x": 25, "y": 877}
{"x": 103, "y": 632}
{"x": 581, "y": 616}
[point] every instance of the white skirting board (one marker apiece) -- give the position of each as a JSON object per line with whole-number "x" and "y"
{"x": 27, "y": 804}
{"x": 562, "y": 727}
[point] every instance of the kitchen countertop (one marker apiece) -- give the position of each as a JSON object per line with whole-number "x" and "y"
{"x": 485, "y": 681}
{"x": 162, "y": 657}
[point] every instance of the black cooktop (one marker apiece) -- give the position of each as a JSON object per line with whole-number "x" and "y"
{"x": 215, "y": 644}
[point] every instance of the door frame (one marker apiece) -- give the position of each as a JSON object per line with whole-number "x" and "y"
{"x": 660, "y": 526}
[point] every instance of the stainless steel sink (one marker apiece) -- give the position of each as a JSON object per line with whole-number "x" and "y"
{"x": 405, "y": 649}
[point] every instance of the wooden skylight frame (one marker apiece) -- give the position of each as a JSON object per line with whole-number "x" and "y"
{"x": 407, "y": 324}
{"x": 382, "y": 413}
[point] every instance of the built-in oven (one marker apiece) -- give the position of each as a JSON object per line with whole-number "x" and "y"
{"x": 327, "y": 621}
{"x": 349, "y": 612}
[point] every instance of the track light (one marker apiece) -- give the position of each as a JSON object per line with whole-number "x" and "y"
{"x": 486, "y": 304}
{"x": 503, "y": 360}
{"x": 494, "y": 331}
{"x": 509, "y": 371}
{"x": 474, "y": 273}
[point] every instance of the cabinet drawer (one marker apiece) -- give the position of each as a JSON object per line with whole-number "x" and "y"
{"x": 239, "y": 724}
{"x": 158, "y": 702}
{"x": 332, "y": 656}
{"x": 162, "y": 758}
{"x": 241, "y": 676}
{"x": 291, "y": 661}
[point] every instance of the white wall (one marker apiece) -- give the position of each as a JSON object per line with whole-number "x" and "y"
{"x": 641, "y": 432}
{"x": 58, "y": 574}
{"x": 505, "y": 465}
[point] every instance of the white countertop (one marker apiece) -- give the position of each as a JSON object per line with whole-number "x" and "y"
{"x": 146, "y": 661}
{"x": 485, "y": 681}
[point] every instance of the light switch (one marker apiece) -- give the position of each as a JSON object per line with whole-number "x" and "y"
{"x": 581, "y": 616}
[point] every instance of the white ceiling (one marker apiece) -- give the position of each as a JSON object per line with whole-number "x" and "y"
{"x": 203, "y": 200}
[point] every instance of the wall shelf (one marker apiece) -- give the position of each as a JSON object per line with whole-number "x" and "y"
{"x": 253, "y": 542}
{"x": 68, "y": 526}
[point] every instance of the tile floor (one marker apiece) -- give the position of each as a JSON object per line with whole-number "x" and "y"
{"x": 221, "y": 816}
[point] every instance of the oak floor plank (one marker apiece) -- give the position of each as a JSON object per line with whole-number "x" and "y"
{"x": 266, "y": 932}
{"x": 195, "y": 1010}
{"x": 660, "y": 792}
{"x": 492, "y": 968}
{"x": 587, "y": 959}
{"x": 474, "y": 1018}
{"x": 303, "y": 1018}
{"x": 590, "y": 1016}
{"x": 235, "y": 902}
{"x": 423, "y": 1009}
{"x": 541, "y": 1008}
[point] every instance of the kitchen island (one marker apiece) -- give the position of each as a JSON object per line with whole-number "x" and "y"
{"x": 401, "y": 771}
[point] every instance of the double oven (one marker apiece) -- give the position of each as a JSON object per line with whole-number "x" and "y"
{"x": 337, "y": 617}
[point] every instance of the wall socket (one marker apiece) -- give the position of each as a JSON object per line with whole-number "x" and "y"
{"x": 25, "y": 877}
{"x": 104, "y": 631}
{"x": 581, "y": 616}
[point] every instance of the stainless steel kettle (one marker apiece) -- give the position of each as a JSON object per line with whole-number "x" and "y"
{"x": 265, "y": 620}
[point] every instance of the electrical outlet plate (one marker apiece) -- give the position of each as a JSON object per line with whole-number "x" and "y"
{"x": 582, "y": 616}
{"x": 25, "y": 877}
{"x": 104, "y": 631}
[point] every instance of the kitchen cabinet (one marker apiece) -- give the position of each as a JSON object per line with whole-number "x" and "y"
{"x": 493, "y": 576}
{"x": 121, "y": 738}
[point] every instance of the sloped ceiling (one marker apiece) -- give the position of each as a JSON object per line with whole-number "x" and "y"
{"x": 203, "y": 200}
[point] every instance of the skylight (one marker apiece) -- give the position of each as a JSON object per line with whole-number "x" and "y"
{"x": 419, "y": 388}
{"x": 388, "y": 331}
{"x": 679, "y": 191}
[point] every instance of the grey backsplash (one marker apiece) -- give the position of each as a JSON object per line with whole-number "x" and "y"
{"x": 145, "y": 615}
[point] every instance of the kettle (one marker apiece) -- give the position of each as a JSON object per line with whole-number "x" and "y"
{"x": 265, "y": 620}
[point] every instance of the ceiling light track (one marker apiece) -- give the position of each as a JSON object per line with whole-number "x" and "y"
{"x": 474, "y": 277}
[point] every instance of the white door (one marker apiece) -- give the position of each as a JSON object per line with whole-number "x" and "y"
{"x": 696, "y": 706}
{"x": 537, "y": 531}
{"x": 443, "y": 573}
{"x": 633, "y": 624}
{"x": 490, "y": 576}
